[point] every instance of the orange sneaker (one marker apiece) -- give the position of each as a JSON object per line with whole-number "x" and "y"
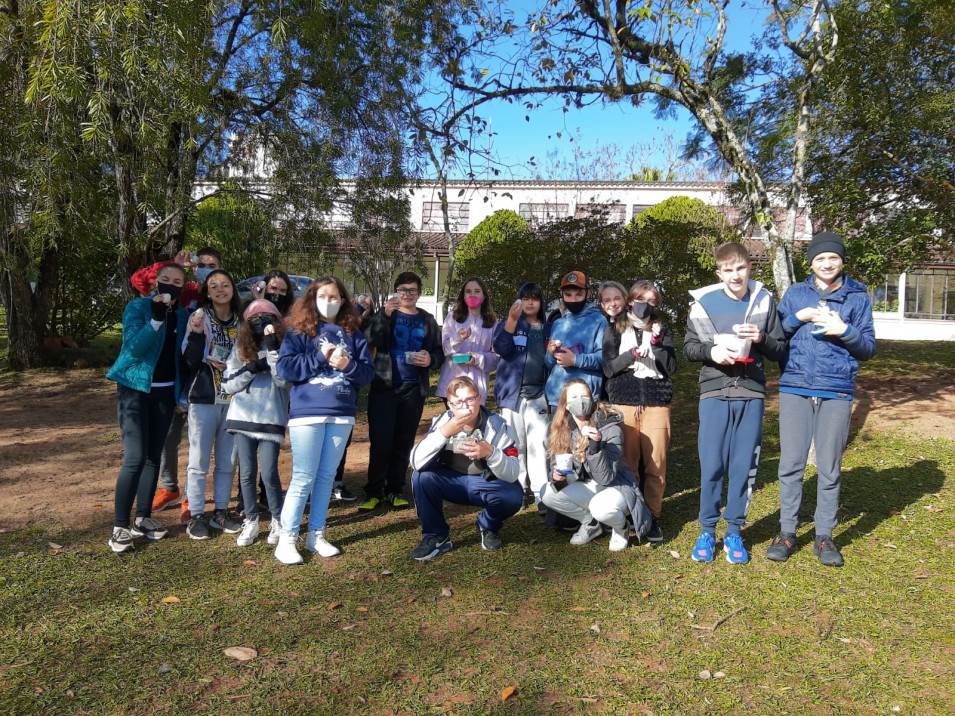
{"x": 164, "y": 498}
{"x": 184, "y": 515}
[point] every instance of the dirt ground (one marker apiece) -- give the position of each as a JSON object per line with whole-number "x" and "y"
{"x": 60, "y": 448}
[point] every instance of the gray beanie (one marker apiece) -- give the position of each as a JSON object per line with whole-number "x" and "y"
{"x": 826, "y": 242}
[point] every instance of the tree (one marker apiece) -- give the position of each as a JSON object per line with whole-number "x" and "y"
{"x": 882, "y": 160}
{"x": 673, "y": 50}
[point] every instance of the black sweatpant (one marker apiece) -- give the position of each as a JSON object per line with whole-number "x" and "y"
{"x": 393, "y": 417}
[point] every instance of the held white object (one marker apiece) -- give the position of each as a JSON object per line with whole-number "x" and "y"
{"x": 260, "y": 285}
{"x": 166, "y": 298}
{"x": 392, "y": 296}
{"x": 199, "y": 312}
{"x": 269, "y": 330}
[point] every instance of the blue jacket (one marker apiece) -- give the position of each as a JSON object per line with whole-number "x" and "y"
{"x": 826, "y": 362}
{"x": 584, "y": 333}
{"x": 510, "y": 371}
{"x": 142, "y": 345}
{"x": 317, "y": 388}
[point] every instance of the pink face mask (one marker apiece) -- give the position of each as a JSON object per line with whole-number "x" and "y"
{"x": 473, "y": 301}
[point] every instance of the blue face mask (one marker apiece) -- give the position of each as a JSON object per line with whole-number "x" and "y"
{"x": 202, "y": 274}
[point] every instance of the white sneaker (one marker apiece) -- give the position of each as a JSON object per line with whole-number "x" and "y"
{"x": 316, "y": 542}
{"x": 619, "y": 539}
{"x": 250, "y": 530}
{"x": 286, "y": 552}
{"x": 275, "y": 530}
{"x": 149, "y": 528}
{"x": 589, "y": 531}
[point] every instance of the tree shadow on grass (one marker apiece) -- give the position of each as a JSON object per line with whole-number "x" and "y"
{"x": 868, "y": 497}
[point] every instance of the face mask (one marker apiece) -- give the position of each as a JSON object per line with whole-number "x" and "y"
{"x": 473, "y": 301}
{"x": 169, "y": 288}
{"x": 202, "y": 274}
{"x": 281, "y": 302}
{"x": 575, "y": 306}
{"x": 257, "y": 326}
{"x": 328, "y": 309}
{"x": 641, "y": 310}
{"x": 580, "y": 407}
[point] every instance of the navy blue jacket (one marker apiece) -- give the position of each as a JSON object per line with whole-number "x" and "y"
{"x": 826, "y": 362}
{"x": 510, "y": 371}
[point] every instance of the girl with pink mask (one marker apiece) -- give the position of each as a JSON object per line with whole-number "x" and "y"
{"x": 468, "y": 338}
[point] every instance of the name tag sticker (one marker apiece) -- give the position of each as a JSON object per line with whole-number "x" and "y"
{"x": 520, "y": 340}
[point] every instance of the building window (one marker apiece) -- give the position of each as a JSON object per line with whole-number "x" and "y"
{"x": 537, "y": 214}
{"x": 610, "y": 213}
{"x": 930, "y": 293}
{"x": 639, "y": 209}
{"x": 432, "y": 220}
{"x": 885, "y": 296}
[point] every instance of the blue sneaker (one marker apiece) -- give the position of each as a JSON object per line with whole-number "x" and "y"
{"x": 703, "y": 550}
{"x": 735, "y": 551}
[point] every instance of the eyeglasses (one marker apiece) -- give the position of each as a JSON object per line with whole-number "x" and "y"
{"x": 407, "y": 291}
{"x": 208, "y": 266}
{"x": 468, "y": 402}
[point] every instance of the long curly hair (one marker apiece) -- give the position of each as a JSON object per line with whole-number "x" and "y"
{"x": 248, "y": 346}
{"x": 304, "y": 316}
{"x": 460, "y": 311}
{"x": 558, "y": 439}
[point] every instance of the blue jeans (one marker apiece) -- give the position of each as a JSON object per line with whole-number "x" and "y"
{"x": 500, "y": 499}
{"x": 316, "y": 451}
{"x": 249, "y": 449}
{"x": 207, "y": 435}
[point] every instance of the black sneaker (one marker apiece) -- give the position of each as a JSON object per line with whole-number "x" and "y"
{"x": 340, "y": 494}
{"x": 655, "y": 534}
{"x": 829, "y": 555}
{"x": 149, "y": 528}
{"x": 121, "y": 540}
{"x": 782, "y": 548}
{"x": 430, "y": 547}
{"x": 198, "y": 527}
{"x": 490, "y": 541}
{"x": 222, "y": 521}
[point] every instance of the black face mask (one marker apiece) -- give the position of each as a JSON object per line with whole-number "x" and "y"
{"x": 641, "y": 310}
{"x": 279, "y": 301}
{"x": 257, "y": 325}
{"x": 575, "y": 306}
{"x": 172, "y": 289}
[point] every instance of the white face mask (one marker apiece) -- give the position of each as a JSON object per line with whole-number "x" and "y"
{"x": 328, "y": 309}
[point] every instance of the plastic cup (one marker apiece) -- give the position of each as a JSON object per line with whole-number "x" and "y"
{"x": 410, "y": 356}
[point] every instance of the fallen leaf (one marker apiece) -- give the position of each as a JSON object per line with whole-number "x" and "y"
{"x": 595, "y": 628}
{"x": 508, "y": 693}
{"x": 240, "y": 653}
{"x": 334, "y": 605}
{"x": 644, "y": 594}
{"x": 97, "y": 507}
{"x": 895, "y": 512}
{"x": 386, "y": 573}
{"x": 54, "y": 545}
{"x": 70, "y": 694}
{"x": 133, "y": 589}
{"x": 250, "y": 562}
{"x": 362, "y": 609}
{"x": 890, "y": 545}
{"x": 540, "y": 569}
{"x": 170, "y": 600}
{"x": 673, "y": 553}
{"x": 578, "y": 609}
{"x": 349, "y": 627}
{"x": 37, "y": 690}
{"x": 447, "y": 592}
{"x": 705, "y": 674}
{"x": 719, "y": 675}
{"x": 411, "y": 599}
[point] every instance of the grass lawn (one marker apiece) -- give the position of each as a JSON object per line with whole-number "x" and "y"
{"x": 572, "y": 629}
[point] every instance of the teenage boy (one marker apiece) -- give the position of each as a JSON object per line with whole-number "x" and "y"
{"x": 575, "y": 349}
{"x": 731, "y": 328}
{"x": 828, "y": 320}
{"x": 467, "y": 458}
{"x": 407, "y": 341}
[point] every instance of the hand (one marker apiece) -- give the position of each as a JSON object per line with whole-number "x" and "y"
{"x": 656, "y": 329}
{"x": 829, "y": 323}
{"x": 258, "y": 290}
{"x": 159, "y": 308}
{"x": 258, "y": 366}
{"x": 464, "y": 334}
{"x": 565, "y": 358}
{"x": 516, "y": 310}
{"x": 218, "y": 365}
{"x": 184, "y": 259}
{"x": 422, "y": 359}
{"x": 807, "y": 314}
{"x": 470, "y": 360}
{"x": 553, "y": 347}
{"x": 452, "y": 427}
{"x": 338, "y": 360}
{"x": 748, "y": 330}
{"x": 327, "y": 349}
{"x": 270, "y": 341}
{"x": 591, "y": 432}
{"x": 391, "y": 305}
{"x": 476, "y": 450}
{"x": 196, "y": 323}
{"x": 721, "y": 355}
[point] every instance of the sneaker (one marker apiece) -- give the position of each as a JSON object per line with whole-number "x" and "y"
{"x": 121, "y": 540}
{"x": 316, "y": 542}
{"x": 184, "y": 514}
{"x": 164, "y": 498}
{"x": 703, "y": 549}
{"x": 735, "y": 550}
{"x": 285, "y": 552}
{"x": 829, "y": 555}
{"x": 782, "y": 548}
{"x": 431, "y": 547}
{"x": 222, "y": 521}
{"x": 655, "y": 534}
{"x": 619, "y": 539}
{"x": 198, "y": 527}
{"x": 589, "y": 531}
{"x": 149, "y": 528}
{"x": 340, "y": 494}
{"x": 250, "y": 530}
{"x": 275, "y": 529}
{"x": 396, "y": 501}
{"x": 490, "y": 540}
{"x": 370, "y": 504}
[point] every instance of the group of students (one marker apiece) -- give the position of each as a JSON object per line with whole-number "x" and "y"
{"x": 584, "y": 398}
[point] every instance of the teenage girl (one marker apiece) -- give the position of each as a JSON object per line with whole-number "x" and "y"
{"x": 468, "y": 337}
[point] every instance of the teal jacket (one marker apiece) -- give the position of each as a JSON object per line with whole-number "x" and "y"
{"x": 141, "y": 346}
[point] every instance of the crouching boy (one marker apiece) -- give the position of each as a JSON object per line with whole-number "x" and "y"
{"x": 467, "y": 458}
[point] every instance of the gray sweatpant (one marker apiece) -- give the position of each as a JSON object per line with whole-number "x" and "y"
{"x": 802, "y": 420}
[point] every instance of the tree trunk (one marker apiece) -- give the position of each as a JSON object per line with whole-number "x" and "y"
{"x": 27, "y": 310}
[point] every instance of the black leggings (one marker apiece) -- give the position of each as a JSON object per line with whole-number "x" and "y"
{"x": 144, "y": 420}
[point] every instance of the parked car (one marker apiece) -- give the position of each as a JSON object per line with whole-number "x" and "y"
{"x": 245, "y": 286}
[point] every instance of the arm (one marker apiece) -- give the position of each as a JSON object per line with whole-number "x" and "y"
{"x": 377, "y": 328}
{"x": 502, "y": 461}
{"x": 194, "y": 350}
{"x": 859, "y": 338}
{"x": 486, "y": 360}
{"x": 431, "y": 444}
{"x": 504, "y": 340}
{"x": 432, "y": 343}
{"x": 773, "y": 341}
{"x": 272, "y": 358}
{"x": 237, "y": 374}
{"x": 140, "y": 336}
{"x": 361, "y": 368}
{"x": 450, "y": 338}
{"x": 593, "y": 358}
{"x": 299, "y": 358}
{"x": 694, "y": 350}
{"x": 664, "y": 352}
{"x": 614, "y": 362}
{"x": 604, "y": 455}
